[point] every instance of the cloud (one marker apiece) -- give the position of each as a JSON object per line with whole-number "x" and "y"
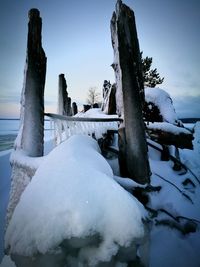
{"x": 9, "y": 110}
{"x": 187, "y": 106}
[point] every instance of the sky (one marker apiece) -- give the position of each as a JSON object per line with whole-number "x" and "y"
{"x": 77, "y": 42}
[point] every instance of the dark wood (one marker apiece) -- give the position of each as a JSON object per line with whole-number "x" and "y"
{"x": 64, "y": 102}
{"x": 133, "y": 157}
{"x": 86, "y": 107}
{"x": 69, "y": 108}
{"x": 112, "y": 100}
{"x": 181, "y": 140}
{"x": 32, "y": 102}
{"x": 74, "y": 109}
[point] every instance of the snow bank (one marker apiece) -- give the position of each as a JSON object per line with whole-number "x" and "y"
{"x": 7, "y": 262}
{"x": 167, "y": 127}
{"x": 163, "y": 101}
{"x": 73, "y": 195}
{"x": 168, "y": 246}
{"x": 21, "y": 158}
{"x": 95, "y": 113}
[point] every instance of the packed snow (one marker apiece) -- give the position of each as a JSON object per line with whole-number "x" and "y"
{"x": 178, "y": 203}
{"x": 163, "y": 101}
{"x": 73, "y": 195}
{"x": 94, "y": 113}
{"x": 168, "y": 245}
{"x": 167, "y": 127}
{"x": 7, "y": 262}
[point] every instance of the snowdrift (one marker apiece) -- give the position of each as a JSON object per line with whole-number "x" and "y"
{"x": 74, "y": 203}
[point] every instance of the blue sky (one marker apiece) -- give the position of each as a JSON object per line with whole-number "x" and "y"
{"x": 76, "y": 40}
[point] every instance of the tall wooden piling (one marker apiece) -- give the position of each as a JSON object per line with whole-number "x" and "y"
{"x": 32, "y": 101}
{"x": 64, "y": 102}
{"x": 133, "y": 157}
{"x": 31, "y": 132}
{"x": 74, "y": 108}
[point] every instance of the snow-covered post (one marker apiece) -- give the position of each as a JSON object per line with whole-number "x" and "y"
{"x": 29, "y": 143}
{"x": 32, "y": 100}
{"x": 64, "y": 102}
{"x": 133, "y": 157}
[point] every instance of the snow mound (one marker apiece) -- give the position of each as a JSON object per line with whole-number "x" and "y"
{"x": 73, "y": 196}
{"x": 95, "y": 113}
{"x": 167, "y": 127}
{"x": 7, "y": 262}
{"x": 163, "y": 101}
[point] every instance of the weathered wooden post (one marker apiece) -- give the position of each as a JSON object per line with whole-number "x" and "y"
{"x": 69, "y": 108}
{"x": 62, "y": 94}
{"x": 64, "y": 102}
{"x": 74, "y": 109}
{"x": 32, "y": 101}
{"x": 29, "y": 141}
{"x": 133, "y": 158}
{"x": 109, "y": 99}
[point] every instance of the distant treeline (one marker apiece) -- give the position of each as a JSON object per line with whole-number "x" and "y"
{"x": 190, "y": 120}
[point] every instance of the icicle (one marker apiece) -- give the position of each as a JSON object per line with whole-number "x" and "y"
{"x": 84, "y": 127}
{"x": 65, "y": 127}
{"x": 58, "y": 131}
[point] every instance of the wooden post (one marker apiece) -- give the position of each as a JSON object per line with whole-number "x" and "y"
{"x": 64, "y": 102}
{"x": 109, "y": 98}
{"x": 31, "y": 135}
{"x": 112, "y": 100}
{"x": 62, "y": 94}
{"x": 133, "y": 158}
{"x": 74, "y": 109}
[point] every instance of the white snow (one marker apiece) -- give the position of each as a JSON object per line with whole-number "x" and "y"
{"x": 167, "y": 127}
{"x": 20, "y": 157}
{"x": 163, "y": 101}
{"x": 7, "y": 262}
{"x": 95, "y": 113}
{"x": 73, "y": 195}
{"x": 104, "y": 208}
{"x": 127, "y": 183}
{"x": 168, "y": 246}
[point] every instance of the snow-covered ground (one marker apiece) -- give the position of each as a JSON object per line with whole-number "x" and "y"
{"x": 180, "y": 196}
{"x": 5, "y": 174}
{"x": 104, "y": 208}
{"x": 74, "y": 191}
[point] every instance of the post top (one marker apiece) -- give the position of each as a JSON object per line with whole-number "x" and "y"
{"x": 33, "y": 12}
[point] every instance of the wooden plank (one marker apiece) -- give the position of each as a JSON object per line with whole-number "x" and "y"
{"x": 69, "y": 118}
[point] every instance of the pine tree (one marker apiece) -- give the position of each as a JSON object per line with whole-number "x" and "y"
{"x": 151, "y": 76}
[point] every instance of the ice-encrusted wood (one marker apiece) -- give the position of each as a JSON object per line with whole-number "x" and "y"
{"x": 29, "y": 143}
{"x": 64, "y": 102}
{"x": 133, "y": 157}
{"x": 31, "y": 132}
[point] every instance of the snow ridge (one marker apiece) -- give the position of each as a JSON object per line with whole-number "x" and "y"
{"x": 73, "y": 195}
